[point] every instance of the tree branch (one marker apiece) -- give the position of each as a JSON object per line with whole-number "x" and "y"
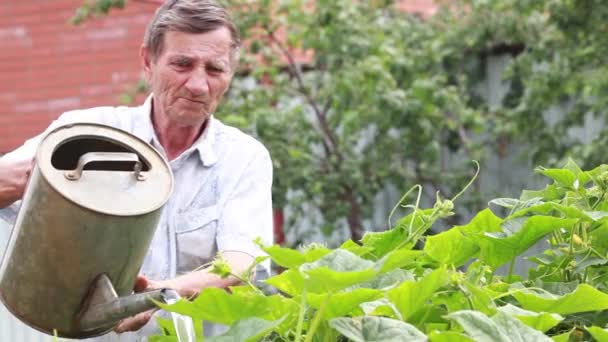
{"x": 328, "y": 139}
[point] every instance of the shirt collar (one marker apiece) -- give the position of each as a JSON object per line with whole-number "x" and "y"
{"x": 205, "y": 144}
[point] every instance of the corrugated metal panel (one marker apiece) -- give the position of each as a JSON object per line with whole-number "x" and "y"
{"x": 11, "y": 329}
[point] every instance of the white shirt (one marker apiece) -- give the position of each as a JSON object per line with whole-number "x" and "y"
{"x": 221, "y": 199}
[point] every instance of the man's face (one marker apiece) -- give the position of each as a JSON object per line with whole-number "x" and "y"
{"x": 190, "y": 76}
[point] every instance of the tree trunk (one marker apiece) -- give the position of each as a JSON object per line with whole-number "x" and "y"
{"x": 354, "y": 216}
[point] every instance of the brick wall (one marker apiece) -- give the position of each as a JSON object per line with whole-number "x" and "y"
{"x": 48, "y": 66}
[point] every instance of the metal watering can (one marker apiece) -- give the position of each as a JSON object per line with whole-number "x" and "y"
{"x": 86, "y": 221}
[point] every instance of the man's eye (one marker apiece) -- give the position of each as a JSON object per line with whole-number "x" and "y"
{"x": 215, "y": 69}
{"x": 181, "y": 64}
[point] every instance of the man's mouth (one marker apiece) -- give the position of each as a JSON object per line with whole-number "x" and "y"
{"x": 194, "y": 100}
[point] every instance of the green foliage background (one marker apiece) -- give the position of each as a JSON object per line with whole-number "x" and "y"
{"x": 385, "y": 97}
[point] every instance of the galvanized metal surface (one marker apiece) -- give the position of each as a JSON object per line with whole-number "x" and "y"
{"x": 104, "y": 190}
{"x": 11, "y": 329}
{"x": 60, "y": 244}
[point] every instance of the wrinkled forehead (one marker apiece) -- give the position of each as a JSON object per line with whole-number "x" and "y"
{"x": 216, "y": 43}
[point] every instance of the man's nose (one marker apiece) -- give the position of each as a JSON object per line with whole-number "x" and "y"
{"x": 197, "y": 82}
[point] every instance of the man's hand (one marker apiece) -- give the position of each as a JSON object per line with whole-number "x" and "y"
{"x": 136, "y": 322}
{"x": 13, "y": 179}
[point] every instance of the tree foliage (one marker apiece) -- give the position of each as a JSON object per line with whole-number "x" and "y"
{"x": 350, "y": 96}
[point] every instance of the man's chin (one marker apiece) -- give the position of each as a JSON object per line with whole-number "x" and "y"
{"x": 189, "y": 120}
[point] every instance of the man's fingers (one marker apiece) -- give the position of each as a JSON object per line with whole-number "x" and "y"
{"x": 141, "y": 284}
{"x": 133, "y": 323}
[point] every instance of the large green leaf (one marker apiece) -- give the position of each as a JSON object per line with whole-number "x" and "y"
{"x": 479, "y": 327}
{"x": 563, "y": 177}
{"x": 339, "y": 260}
{"x": 565, "y": 211}
{"x": 541, "y": 321}
{"x": 380, "y": 307}
{"x": 396, "y": 259}
{"x": 383, "y": 242}
{"x": 246, "y": 330}
{"x": 480, "y": 298}
{"x": 448, "y": 336}
{"x": 497, "y": 250}
{"x": 584, "y": 298}
{"x": 456, "y": 246}
{"x": 290, "y": 282}
{"x": 344, "y": 303}
{"x": 599, "y": 334}
{"x": 355, "y": 248}
{"x": 291, "y": 258}
{"x": 324, "y": 279}
{"x": 410, "y": 296}
{"x": 336, "y": 271}
{"x": 219, "y": 306}
{"x": 500, "y": 328}
{"x": 388, "y": 280}
{"x": 376, "y": 329}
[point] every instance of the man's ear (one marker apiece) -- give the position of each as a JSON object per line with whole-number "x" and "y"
{"x": 146, "y": 61}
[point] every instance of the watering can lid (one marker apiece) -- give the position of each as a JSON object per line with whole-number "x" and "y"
{"x": 120, "y": 193}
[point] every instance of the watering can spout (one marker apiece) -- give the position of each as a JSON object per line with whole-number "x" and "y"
{"x": 104, "y": 308}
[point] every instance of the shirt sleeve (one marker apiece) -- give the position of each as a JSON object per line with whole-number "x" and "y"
{"x": 247, "y": 214}
{"x": 27, "y": 151}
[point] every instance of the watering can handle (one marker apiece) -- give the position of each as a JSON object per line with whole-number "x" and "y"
{"x": 105, "y": 157}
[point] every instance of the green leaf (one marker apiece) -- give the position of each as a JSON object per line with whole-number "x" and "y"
{"x": 541, "y": 321}
{"x": 501, "y": 328}
{"x": 248, "y": 330}
{"x": 336, "y": 271}
{"x": 380, "y": 307}
{"x": 479, "y": 327}
{"x": 290, "y": 282}
{"x": 411, "y": 296}
{"x": 565, "y": 337}
{"x": 480, "y": 299}
{"x": 383, "y": 242}
{"x": 343, "y": 303}
{"x": 457, "y": 245}
{"x": 599, "y": 236}
{"x": 219, "y": 306}
{"x": 290, "y": 258}
{"x": 448, "y": 336}
{"x": 550, "y": 193}
{"x": 582, "y": 176}
{"x": 376, "y": 329}
{"x": 584, "y": 298}
{"x": 496, "y": 251}
{"x": 599, "y": 334}
{"x": 166, "y": 326}
{"x": 388, "y": 280}
{"x": 516, "y": 330}
{"x": 323, "y": 279}
{"x": 563, "y": 177}
{"x": 353, "y": 247}
{"x": 396, "y": 259}
{"x": 565, "y": 210}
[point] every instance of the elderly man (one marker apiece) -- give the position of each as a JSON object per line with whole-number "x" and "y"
{"x": 222, "y": 196}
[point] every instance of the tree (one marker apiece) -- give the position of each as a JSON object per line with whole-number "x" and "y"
{"x": 350, "y": 96}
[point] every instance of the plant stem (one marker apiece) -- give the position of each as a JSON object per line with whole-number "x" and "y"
{"x": 316, "y": 320}
{"x": 469, "y": 183}
{"x": 407, "y": 193}
{"x": 511, "y": 267}
{"x": 301, "y": 315}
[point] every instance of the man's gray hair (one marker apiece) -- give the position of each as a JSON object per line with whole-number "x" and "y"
{"x": 191, "y": 16}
